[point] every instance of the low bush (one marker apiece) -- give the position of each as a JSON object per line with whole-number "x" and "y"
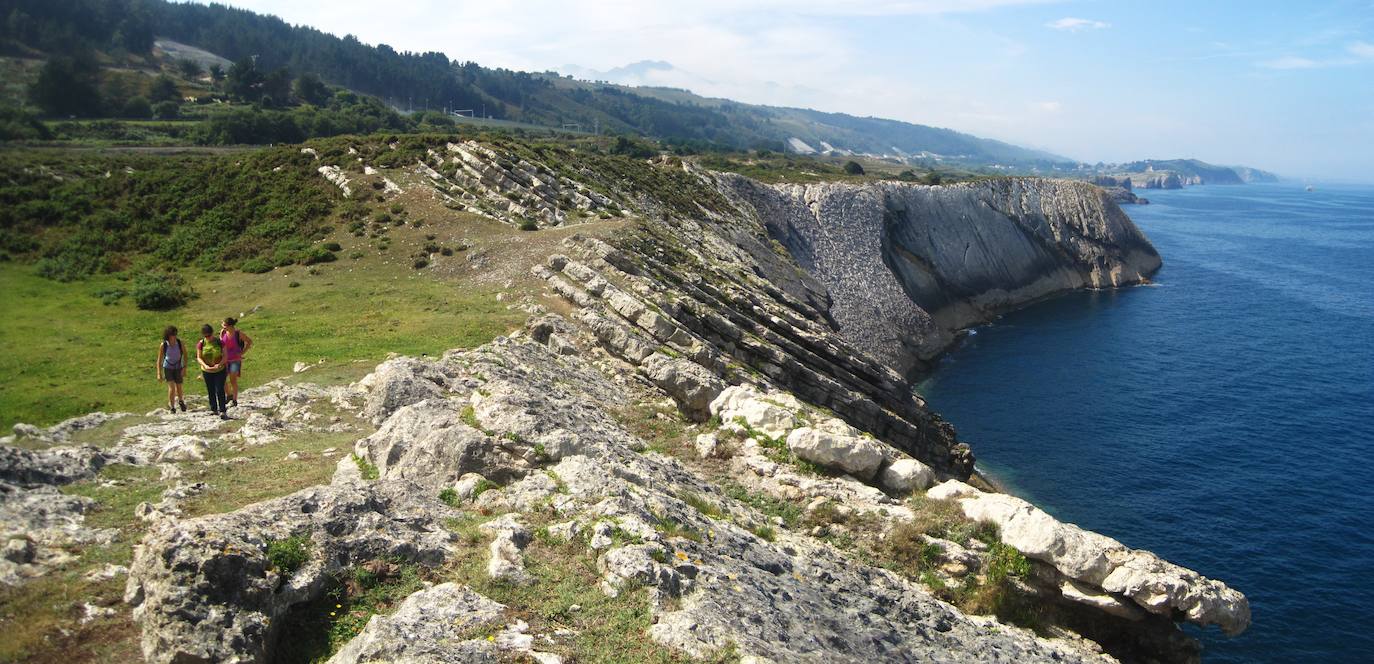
{"x": 161, "y": 291}
{"x": 317, "y": 254}
{"x": 256, "y": 266}
{"x": 288, "y": 555}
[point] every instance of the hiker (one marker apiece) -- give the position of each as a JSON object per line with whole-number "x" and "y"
{"x": 235, "y": 343}
{"x": 210, "y": 355}
{"x": 171, "y": 367}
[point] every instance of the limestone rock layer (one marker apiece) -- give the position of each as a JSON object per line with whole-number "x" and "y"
{"x": 907, "y": 266}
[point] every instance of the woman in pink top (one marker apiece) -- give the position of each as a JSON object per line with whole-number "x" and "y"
{"x": 236, "y": 344}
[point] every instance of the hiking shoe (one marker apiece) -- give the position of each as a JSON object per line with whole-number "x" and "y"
{"x": 183, "y": 406}
{"x": 234, "y": 402}
{"x": 225, "y": 416}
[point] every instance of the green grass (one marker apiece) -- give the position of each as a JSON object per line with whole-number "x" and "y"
{"x": 566, "y": 595}
{"x": 366, "y": 468}
{"x": 67, "y": 354}
{"x": 287, "y": 555}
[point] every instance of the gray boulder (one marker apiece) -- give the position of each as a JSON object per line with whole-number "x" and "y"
{"x": 691, "y": 385}
{"x": 833, "y": 444}
{"x": 59, "y": 465}
{"x": 400, "y": 382}
{"x": 433, "y": 626}
{"x": 205, "y": 590}
{"x": 430, "y": 444}
{"x": 906, "y": 475}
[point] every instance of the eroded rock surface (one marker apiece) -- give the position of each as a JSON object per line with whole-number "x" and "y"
{"x": 205, "y": 590}
{"x": 908, "y": 265}
{"x": 1156, "y": 585}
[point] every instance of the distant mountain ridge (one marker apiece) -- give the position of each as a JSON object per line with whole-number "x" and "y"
{"x": 412, "y": 80}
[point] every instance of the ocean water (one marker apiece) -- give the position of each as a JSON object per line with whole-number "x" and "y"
{"x": 1222, "y": 417}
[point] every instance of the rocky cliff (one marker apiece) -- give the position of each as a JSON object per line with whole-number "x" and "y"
{"x": 699, "y": 445}
{"x": 907, "y": 266}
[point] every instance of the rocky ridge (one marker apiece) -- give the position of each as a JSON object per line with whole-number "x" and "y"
{"x": 908, "y": 266}
{"x": 789, "y": 520}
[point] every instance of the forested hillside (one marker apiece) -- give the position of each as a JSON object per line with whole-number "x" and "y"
{"x": 128, "y": 28}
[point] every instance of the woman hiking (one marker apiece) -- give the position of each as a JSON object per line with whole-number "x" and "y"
{"x": 210, "y": 355}
{"x": 171, "y": 367}
{"x": 235, "y": 344}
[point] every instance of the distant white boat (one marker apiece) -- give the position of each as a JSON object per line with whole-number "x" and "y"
{"x": 1311, "y": 188}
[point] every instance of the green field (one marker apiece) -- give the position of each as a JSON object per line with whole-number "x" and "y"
{"x": 66, "y": 353}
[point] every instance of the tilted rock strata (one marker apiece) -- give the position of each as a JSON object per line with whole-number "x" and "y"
{"x": 727, "y": 301}
{"x": 1157, "y": 585}
{"x": 205, "y": 589}
{"x": 908, "y": 265}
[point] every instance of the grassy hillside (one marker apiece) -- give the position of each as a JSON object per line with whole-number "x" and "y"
{"x": 81, "y": 241}
{"x": 431, "y": 81}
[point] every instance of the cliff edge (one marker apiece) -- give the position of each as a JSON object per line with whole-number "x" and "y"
{"x": 907, "y": 266}
{"x": 698, "y": 445}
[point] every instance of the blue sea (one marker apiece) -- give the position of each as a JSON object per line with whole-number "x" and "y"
{"x": 1222, "y": 417}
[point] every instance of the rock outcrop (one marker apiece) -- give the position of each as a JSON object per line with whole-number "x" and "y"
{"x": 715, "y": 430}
{"x": 207, "y": 590}
{"x": 1084, "y": 556}
{"x": 906, "y": 266}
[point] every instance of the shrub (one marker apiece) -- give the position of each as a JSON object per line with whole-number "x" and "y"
{"x": 355, "y": 255}
{"x": 318, "y": 254}
{"x": 256, "y": 266}
{"x": 161, "y": 291}
{"x": 111, "y": 296}
{"x": 449, "y": 496}
{"x": 446, "y": 251}
{"x": 421, "y": 263}
{"x": 294, "y": 284}
{"x": 137, "y": 107}
{"x": 167, "y": 110}
{"x": 287, "y": 555}
{"x": 483, "y": 485}
{"x": 853, "y": 168}
{"x": 529, "y": 225}
{"x": 333, "y": 246}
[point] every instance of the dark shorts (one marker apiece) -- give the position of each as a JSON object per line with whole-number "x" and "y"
{"x": 172, "y": 375}
{"x": 235, "y": 367}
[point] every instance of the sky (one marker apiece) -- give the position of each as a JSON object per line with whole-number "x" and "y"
{"x": 1284, "y": 86}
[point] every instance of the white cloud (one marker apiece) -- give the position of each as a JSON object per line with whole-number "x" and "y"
{"x": 1048, "y": 106}
{"x": 1290, "y": 62}
{"x": 1362, "y": 50}
{"x": 1076, "y": 24}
